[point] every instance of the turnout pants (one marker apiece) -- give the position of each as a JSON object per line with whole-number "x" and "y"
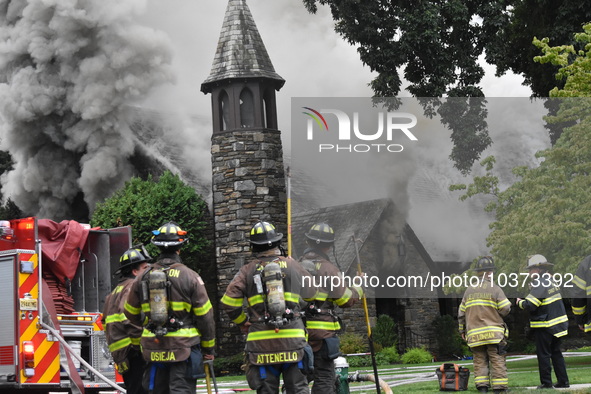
{"x": 133, "y": 377}
{"x": 168, "y": 378}
{"x": 549, "y": 355}
{"x": 324, "y": 375}
{"x": 265, "y": 379}
{"x": 490, "y": 368}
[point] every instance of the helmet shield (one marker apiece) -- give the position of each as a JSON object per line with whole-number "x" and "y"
{"x": 320, "y": 233}
{"x": 264, "y": 233}
{"x": 168, "y": 235}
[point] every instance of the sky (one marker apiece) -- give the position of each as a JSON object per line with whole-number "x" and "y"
{"x": 304, "y": 48}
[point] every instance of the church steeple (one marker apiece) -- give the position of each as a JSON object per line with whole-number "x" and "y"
{"x": 242, "y": 80}
{"x": 248, "y": 178}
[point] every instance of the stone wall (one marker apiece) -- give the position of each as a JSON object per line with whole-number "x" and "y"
{"x": 248, "y": 185}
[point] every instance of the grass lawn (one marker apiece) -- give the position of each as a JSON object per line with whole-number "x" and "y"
{"x": 522, "y": 374}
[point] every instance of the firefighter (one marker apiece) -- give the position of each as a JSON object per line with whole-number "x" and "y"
{"x": 276, "y": 336}
{"x": 548, "y": 321}
{"x": 481, "y": 325}
{"x": 178, "y": 328}
{"x": 582, "y": 295}
{"x": 124, "y": 347}
{"x": 322, "y": 322}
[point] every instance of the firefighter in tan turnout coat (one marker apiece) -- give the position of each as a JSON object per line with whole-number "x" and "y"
{"x": 178, "y": 329}
{"x": 321, "y": 320}
{"x": 276, "y": 336}
{"x": 125, "y": 349}
{"x": 481, "y": 324}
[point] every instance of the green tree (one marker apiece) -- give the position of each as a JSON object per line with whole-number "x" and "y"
{"x": 147, "y": 204}
{"x": 547, "y": 210}
{"x": 436, "y": 46}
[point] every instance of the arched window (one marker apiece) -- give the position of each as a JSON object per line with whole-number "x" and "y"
{"x": 246, "y": 108}
{"x": 224, "y": 102}
{"x": 268, "y": 105}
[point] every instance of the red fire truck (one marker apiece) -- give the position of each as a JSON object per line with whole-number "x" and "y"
{"x": 54, "y": 278}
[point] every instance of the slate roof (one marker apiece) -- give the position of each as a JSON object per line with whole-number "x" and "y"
{"x": 240, "y": 52}
{"x": 348, "y": 220}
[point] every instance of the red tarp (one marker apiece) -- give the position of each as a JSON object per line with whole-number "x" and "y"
{"x": 61, "y": 245}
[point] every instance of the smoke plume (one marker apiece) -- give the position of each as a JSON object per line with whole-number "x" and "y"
{"x": 67, "y": 70}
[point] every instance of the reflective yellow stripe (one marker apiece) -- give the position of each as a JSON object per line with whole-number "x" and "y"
{"x": 115, "y": 318}
{"x": 320, "y": 296}
{"x": 533, "y": 300}
{"x": 481, "y": 379}
{"x": 120, "y": 344}
{"x": 463, "y": 307}
{"x": 202, "y": 310}
{"x": 132, "y": 310}
{"x": 256, "y": 299}
{"x": 240, "y": 319}
{"x": 210, "y": 343}
{"x": 503, "y": 303}
{"x": 179, "y": 306}
{"x": 549, "y": 323}
{"x": 323, "y": 325}
{"x": 579, "y": 310}
{"x": 587, "y": 327}
{"x": 292, "y": 297}
{"x": 561, "y": 333}
{"x": 580, "y": 283}
{"x": 135, "y": 341}
{"x": 183, "y": 332}
{"x": 345, "y": 298}
{"x": 549, "y": 300}
{"x": 359, "y": 291}
{"x": 485, "y": 329}
{"x": 235, "y": 302}
{"x": 500, "y": 381}
{"x": 146, "y": 307}
{"x": 481, "y": 302}
{"x": 271, "y": 334}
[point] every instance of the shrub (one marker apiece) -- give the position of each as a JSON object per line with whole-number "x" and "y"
{"x": 416, "y": 355}
{"x": 390, "y": 355}
{"x": 449, "y": 341}
{"x": 384, "y": 332}
{"x": 228, "y": 365}
{"x": 353, "y": 343}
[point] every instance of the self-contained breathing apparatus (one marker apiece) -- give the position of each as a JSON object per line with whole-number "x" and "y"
{"x": 269, "y": 284}
{"x": 156, "y": 292}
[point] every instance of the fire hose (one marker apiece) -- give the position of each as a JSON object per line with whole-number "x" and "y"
{"x": 57, "y": 335}
{"x": 356, "y": 377}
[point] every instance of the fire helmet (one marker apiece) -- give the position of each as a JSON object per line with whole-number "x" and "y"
{"x": 169, "y": 234}
{"x": 264, "y": 233}
{"x": 320, "y": 232}
{"x": 132, "y": 256}
{"x": 485, "y": 263}
{"x": 538, "y": 261}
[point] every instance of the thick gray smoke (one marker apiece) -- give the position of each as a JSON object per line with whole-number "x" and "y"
{"x": 67, "y": 69}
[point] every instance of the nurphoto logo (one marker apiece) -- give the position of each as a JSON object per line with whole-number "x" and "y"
{"x": 390, "y": 125}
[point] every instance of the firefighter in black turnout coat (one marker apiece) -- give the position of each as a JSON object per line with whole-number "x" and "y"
{"x": 548, "y": 321}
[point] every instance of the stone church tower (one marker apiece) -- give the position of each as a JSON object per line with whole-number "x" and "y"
{"x": 247, "y": 156}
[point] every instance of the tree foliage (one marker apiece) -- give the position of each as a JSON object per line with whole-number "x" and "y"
{"x": 147, "y": 204}
{"x": 547, "y": 210}
{"x": 436, "y": 45}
